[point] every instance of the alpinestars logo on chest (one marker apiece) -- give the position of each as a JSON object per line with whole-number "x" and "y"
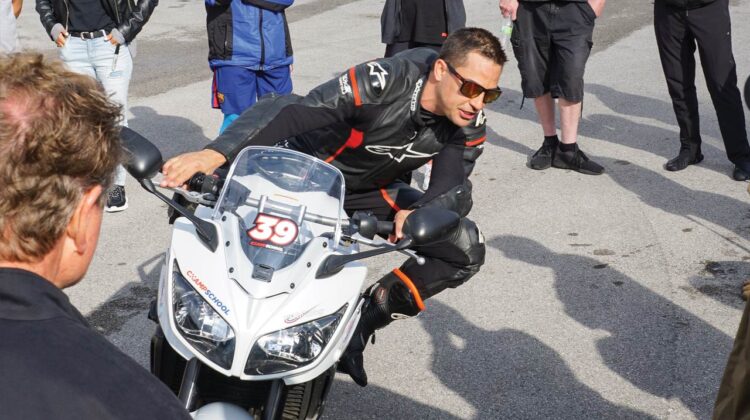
{"x": 403, "y": 152}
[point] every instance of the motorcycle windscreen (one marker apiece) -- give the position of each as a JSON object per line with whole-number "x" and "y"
{"x": 277, "y": 197}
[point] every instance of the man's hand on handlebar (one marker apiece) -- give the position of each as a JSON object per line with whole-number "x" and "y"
{"x": 180, "y": 168}
{"x": 398, "y": 221}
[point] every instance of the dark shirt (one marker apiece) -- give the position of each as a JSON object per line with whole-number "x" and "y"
{"x": 54, "y": 366}
{"x": 89, "y": 15}
{"x": 423, "y": 21}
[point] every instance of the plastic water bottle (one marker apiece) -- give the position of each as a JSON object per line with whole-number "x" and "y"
{"x": 506, "y": 30}
{"x": 427, "y": 173}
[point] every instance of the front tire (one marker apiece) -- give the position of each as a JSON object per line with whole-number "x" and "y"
{"x": 166, "y": 364}
{"x": 306, "y": 401}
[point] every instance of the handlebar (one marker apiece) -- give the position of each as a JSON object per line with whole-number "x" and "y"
{"x": 364, "y": 223}
{"x": 205, "y": 184}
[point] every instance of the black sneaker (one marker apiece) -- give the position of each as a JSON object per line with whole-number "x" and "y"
{"x": 116, "y": 200}
{"x": 577, "y": 161}
{"x": 542, "y": 158}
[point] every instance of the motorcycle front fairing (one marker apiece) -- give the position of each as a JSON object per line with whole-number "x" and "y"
{"x": 260, "y": 283}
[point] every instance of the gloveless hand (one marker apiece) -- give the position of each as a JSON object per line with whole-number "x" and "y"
{"x": 598, "y": 6}
{"x": 180, "y": 168}
{"x": 61, "y": 39}
{"x": 111, "y": 39}
{"x": 509, "y": 8}
{"x": 398, "y": 221}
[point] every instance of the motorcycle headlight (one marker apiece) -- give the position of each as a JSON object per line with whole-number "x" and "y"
{"x": 294, "y": 347}
{"x": 200, "y": 324}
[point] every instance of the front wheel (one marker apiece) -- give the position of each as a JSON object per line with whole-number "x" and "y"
{"x": 306, "y": 401}
{"x": 166, "y": 364}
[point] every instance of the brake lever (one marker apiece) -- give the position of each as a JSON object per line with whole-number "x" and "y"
{"x": 379, "y": 242}
{"x": 191, "y": 196}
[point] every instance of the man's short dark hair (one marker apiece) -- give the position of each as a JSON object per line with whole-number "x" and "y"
{"x": 460, "y": 43}
{"x": 59, "y": 137}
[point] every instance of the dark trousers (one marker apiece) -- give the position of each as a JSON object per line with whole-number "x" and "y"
{"x": 677, "y": 32}
{"x": 448, "y": 263}
{"x": 397, "y": 47}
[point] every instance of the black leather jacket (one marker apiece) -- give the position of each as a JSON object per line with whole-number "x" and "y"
{"x": 367, "y": 122}
{"x": 686, "y": 4}
{"x": 128, "y": 15}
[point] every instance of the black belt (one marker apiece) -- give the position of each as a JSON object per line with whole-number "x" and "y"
{"x": 89, "y": 35}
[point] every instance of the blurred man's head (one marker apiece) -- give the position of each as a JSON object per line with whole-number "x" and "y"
{"x": 466, "y": 74}
{"x": 59, "y": 146}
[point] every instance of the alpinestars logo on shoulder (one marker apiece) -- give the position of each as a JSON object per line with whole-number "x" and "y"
{"x": 377, "y": 77}
{"x": 392, "y": 151}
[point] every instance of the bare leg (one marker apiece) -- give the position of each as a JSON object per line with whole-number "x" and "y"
{"x": 545, "y": 107}
{"x": 570, "y": 116}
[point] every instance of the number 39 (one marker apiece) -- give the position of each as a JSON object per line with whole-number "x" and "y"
{"x": 273, "y": 229}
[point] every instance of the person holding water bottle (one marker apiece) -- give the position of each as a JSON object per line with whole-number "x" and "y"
{"x": 95, "y": 38}
{"x": 552, "y": 41}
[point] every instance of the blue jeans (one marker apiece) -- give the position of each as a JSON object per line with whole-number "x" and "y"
{"x": 95, "y": 58}
{"x": 237, "y": 88}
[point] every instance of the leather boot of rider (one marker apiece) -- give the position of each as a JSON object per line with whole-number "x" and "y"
{"x": 392, "y": 297}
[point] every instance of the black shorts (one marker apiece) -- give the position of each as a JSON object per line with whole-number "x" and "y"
{"x": 552, "y": 41}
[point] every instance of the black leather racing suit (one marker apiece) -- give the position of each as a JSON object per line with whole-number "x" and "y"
{"x": 369, "y": 124}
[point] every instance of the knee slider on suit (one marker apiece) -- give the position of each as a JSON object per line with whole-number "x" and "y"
{"x": 457, "y": 199}
{"x": 469, "y": 242}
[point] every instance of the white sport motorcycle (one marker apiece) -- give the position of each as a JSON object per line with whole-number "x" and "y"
{"x": 262, "y": 288}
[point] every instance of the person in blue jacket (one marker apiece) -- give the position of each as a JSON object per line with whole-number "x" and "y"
{"x": 249, "y": 51}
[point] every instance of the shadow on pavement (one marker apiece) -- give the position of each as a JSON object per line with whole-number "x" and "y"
{"x": 620, "y": 130}
{"x": 509, "y": 374}
{"x": 657, "y": 190}
{"x": 348, "y": 400}
{"x": 172, "y": 135}
{"x": 131, "y": 300}
{"x": 653, "y": 343}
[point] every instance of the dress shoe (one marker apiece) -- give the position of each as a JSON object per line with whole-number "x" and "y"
{"x": 741, "y": 171}
{"x": 683, "y": 160}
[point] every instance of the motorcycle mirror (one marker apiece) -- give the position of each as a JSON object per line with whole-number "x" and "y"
{"x": 143, "y": 158}
{"x": 422, "y": 227}
{"x": 429, "y": 225}
{"x": 144, "y": 162}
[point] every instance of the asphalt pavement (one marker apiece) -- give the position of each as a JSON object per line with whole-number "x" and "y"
{"x": 602, "y": 297}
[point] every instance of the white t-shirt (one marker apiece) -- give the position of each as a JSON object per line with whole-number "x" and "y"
{"x": 8, "y": 35}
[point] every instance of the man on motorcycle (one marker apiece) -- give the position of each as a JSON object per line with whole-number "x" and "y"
{"x": 375, "y": 122}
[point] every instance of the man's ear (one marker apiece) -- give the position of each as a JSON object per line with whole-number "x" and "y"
{"x": 439, "y": 69}
{"x": 83, "y": 216}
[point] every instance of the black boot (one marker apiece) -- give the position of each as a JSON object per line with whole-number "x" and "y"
{"x": 687, "y": 156}
{"x": 388, "y": 299}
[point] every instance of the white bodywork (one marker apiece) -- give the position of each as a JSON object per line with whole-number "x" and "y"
{"x": 254, "y": 307}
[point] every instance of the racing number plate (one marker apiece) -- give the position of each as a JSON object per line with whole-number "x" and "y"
{"x": 272, "y": 232}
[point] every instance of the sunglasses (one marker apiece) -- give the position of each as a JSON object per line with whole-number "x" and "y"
{"x": 472, "y": 89}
